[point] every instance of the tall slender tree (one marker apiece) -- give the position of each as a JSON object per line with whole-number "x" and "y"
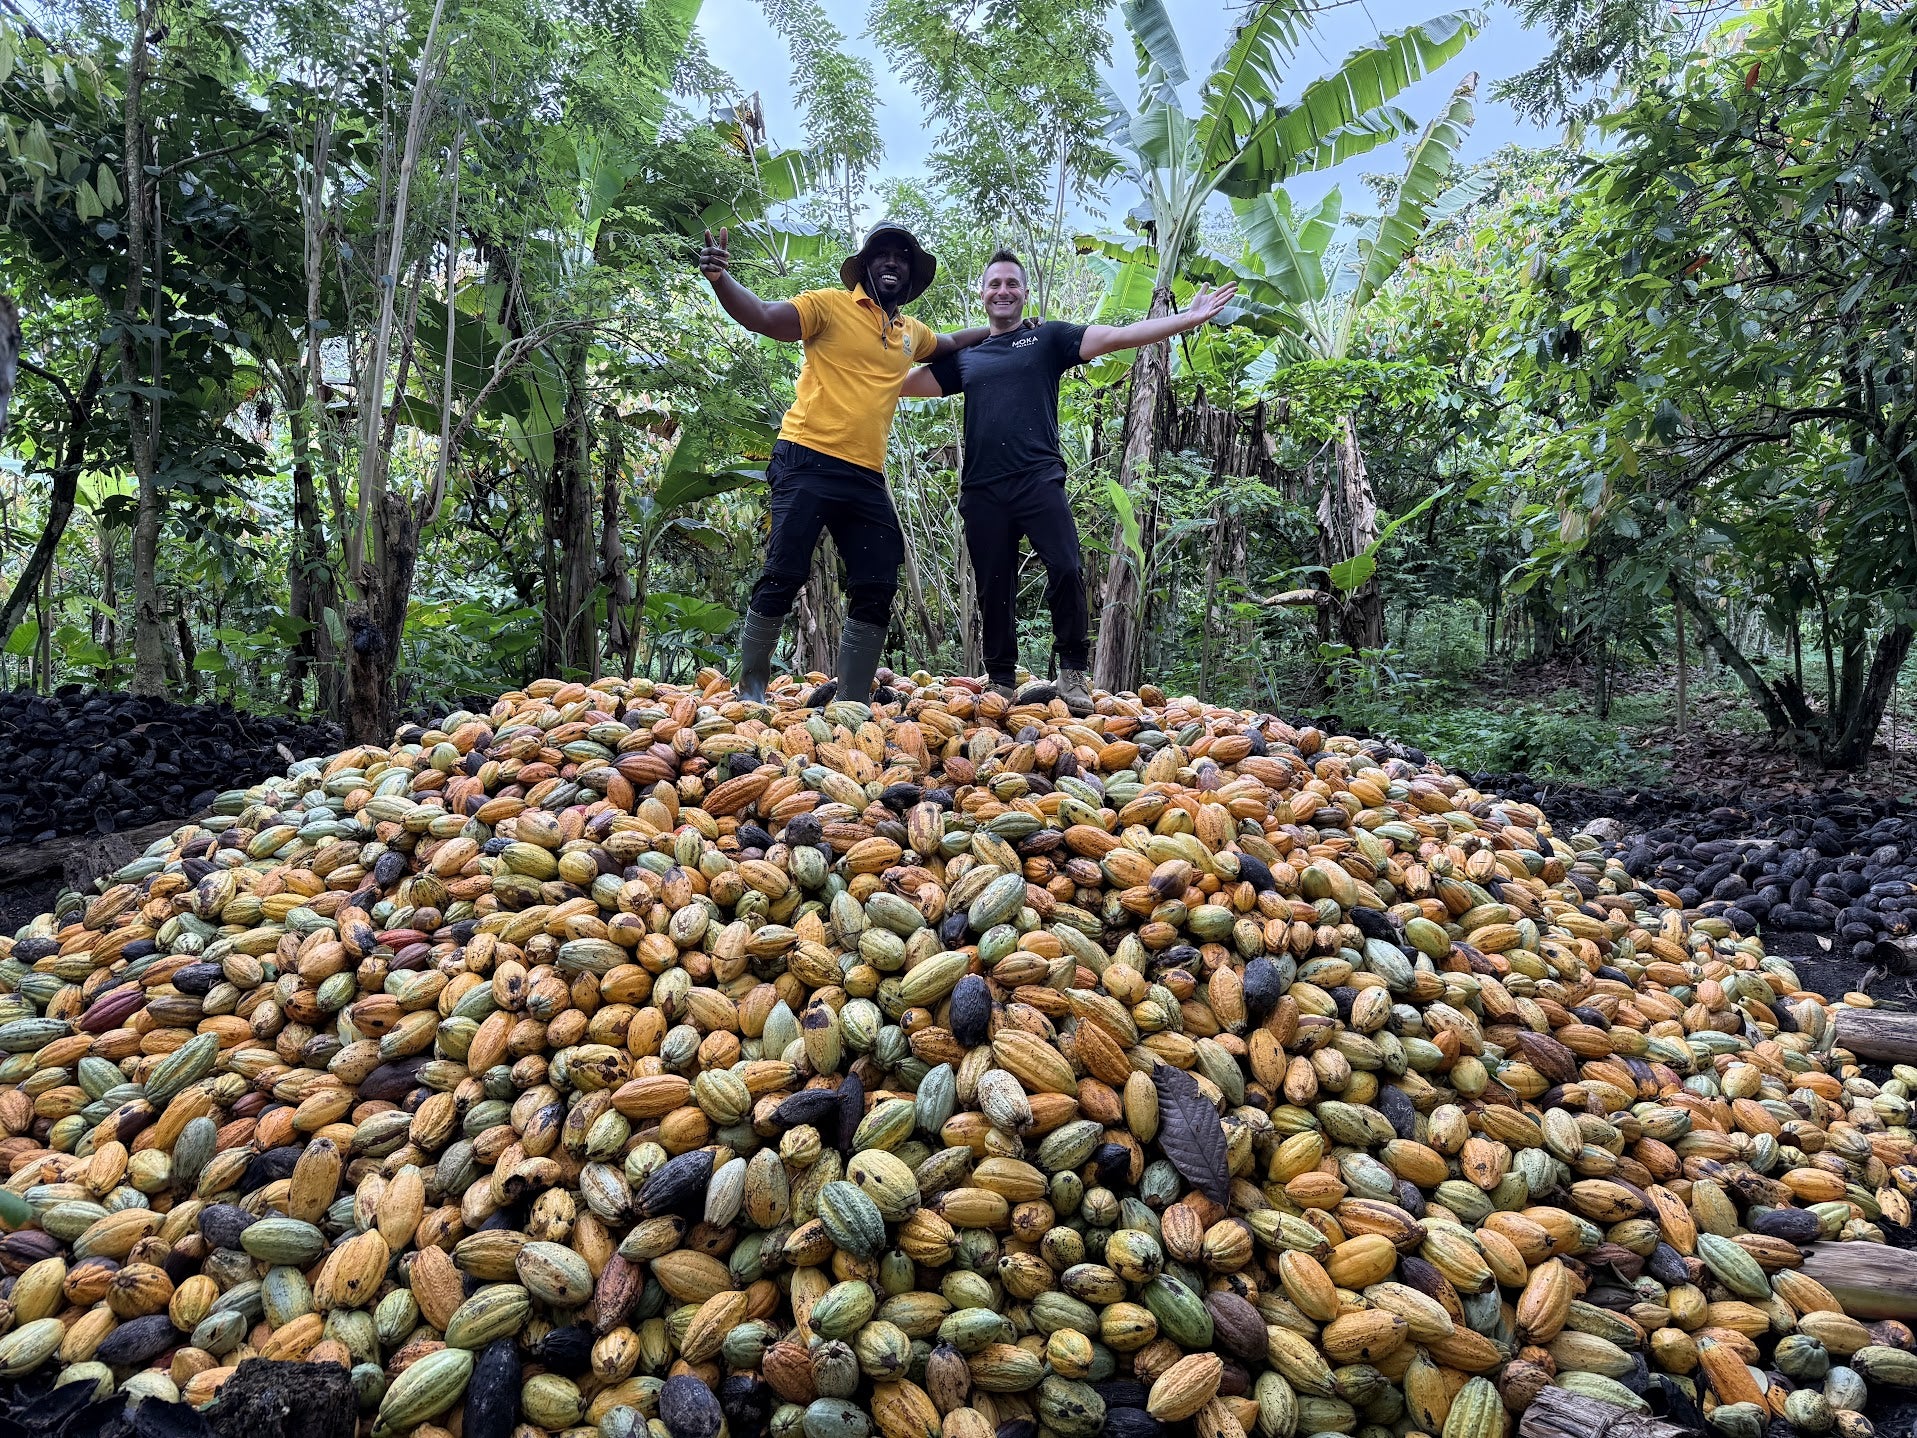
{"x": 1243, "y": 141}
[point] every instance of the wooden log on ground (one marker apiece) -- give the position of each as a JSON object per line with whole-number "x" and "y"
{"x": 1871, "y": 1280}
{"x": 23, "y": 863}
{"x": 1555, "y": 1413}
{"x": 1878, "y": 1035}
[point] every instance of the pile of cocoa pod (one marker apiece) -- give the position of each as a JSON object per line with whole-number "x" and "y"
{"x": 633, "y": 1060}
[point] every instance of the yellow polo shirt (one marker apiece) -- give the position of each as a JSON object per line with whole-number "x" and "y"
{"x": 849, "y": 384}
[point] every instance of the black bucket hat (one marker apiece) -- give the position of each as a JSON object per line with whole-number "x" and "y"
{"x": 924, "y": 266}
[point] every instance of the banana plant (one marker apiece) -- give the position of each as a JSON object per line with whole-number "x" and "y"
{"x": 1241, "y": 141}
{"x": 1295, "y": 271}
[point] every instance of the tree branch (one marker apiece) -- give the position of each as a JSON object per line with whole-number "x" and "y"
{"x": 510, "y": 357}
{"x": 66, "y": 394}
{"x": 271, "y": 133}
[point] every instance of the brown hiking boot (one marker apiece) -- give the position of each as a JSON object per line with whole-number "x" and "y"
{"x": 1004, "y": 691}
{"x": 1075, "y": 690}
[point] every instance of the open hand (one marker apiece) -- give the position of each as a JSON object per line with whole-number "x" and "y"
{"x": 1206, "y": 304}
{"x": 715, "y": 259}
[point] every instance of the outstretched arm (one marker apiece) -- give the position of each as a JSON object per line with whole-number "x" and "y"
{"x": 952, "y": 343}
{"x": 1103, "y": 339}
{"x": 778, "y": 319}
{"x": 921, "y": 383}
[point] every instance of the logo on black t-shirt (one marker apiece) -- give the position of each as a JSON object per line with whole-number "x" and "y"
{"x": 1028, "y": 340}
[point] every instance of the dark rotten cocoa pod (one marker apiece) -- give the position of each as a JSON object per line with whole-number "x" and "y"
{"x": 688, "y": 1408}
{"x": 1793, "y": 1225}
{"x": 746, "y": 1401}
{"x": 1264, "y": 985}
{"x": 138, "y": 1341}
{"x": 567, "y": 1351}
{"x": 816, "y": 1106}
{"x": 1131, "y": 1423}
{"x": 971, "y": 1011}
{"x": 679, "y": 1186}
{"x": 221, "y": 1224}
{"x": 1122, "y": 1393}
{"x": 492, "y": 1394}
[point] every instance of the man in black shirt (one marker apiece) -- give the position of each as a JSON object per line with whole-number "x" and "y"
{"x": 1013, "y": 485}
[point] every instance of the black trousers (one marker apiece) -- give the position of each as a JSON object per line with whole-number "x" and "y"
{"x": 813, "y": 492}
{"x": 997, "y": 515}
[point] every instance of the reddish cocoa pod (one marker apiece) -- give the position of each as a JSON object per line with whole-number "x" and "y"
{"x": 614, "y": 1295}
{"x": 112, "y": 1008}
{"x": 1237, "y": 1326}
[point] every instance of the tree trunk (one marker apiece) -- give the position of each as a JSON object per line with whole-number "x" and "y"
{"x": 1853, "y": 727}
{"x": 105, "y": 631}
{"x": 383, "y": 581}
{"x": 613, "y": 571}
{"x": 572, "y": 508}
{"x": 64, "y": 486}
{"x": 1347, "y": 527}
{"x": 1211, "y": 599}
{"x": 971, "y": 638}
{"x": 9, "y": 356}
{"x": 149, "y": 643}
{"x": 1684, "y": 675}
{"x": 815, "y": 641}
{"x": 312, "y": 590}
{"x": 378, "y": 621}
{"x": 1115, "y": 661}
{"x": 43, "y": 645}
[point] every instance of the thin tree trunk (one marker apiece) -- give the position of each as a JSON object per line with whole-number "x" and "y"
{"x": 149, "y": 649}
{"x": 641, "y": 577}
{"x": 61, "y": 490}
{"x": 1212, "y": 567}
{"x": 311, "y": 582}
{"x": 816, "y": 640}
{"x": 9, "y": 357}
{"x": 43, "y": 650}
{"x": 613, "y": 573}
{"x": 1115, "y": 661}
{"x": 384, "y": 580}
{"x": 106, "y": 632}
{"x": 578, "y": 635}
{"x": 183, "y": 634}
{"x": 972, "y": 638}
{"x": 1347, "y": 527}
{"x": 1683, "y": 677}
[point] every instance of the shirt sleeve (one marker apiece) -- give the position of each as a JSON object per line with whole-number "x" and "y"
{"x": 946, "y": 372}
{"x": 924, "y": 338}
{"x": 813, "y": 313}
{"x": 1066, "y": 339}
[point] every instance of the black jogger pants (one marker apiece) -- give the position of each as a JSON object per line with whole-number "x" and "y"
{"x": 813, "y": 492}
{"x": 997, "y": 515}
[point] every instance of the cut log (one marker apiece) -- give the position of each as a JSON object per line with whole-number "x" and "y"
{"x": 1877, "y": 1035}
{"x": 23, "y": 863}
{"x": 1554, "y": 1413}
{"x": 1871, "y": 1280}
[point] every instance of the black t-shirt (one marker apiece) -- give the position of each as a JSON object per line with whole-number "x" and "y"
{"x": 1010, "y": 384}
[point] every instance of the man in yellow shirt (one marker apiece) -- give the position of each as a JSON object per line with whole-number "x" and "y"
{"x": 827, "y": 469}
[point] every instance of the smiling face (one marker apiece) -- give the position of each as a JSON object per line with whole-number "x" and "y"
{"x": 889, "y": 265}
{"x": 1002, "y": 291}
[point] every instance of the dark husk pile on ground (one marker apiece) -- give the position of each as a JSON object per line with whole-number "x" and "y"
{"x": 1841, "y": 866}
{"x": 81, "y": 761}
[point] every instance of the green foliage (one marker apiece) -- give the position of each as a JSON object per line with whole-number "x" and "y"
{"x": 1718, "y": 341}
{"x": 1319, "y": 393}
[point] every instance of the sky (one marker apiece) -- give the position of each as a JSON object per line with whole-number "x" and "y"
{"x": 740, "y": 42}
